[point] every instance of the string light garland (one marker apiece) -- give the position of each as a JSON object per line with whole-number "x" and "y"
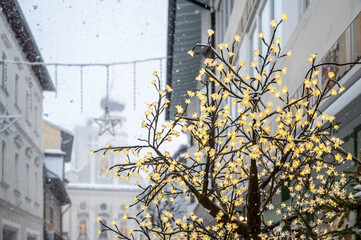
{"x": 161, "y": 72}
{"x": 81, "y": 66}
{"x": 134, "y": 84}
{"x": 56, "y": 80}
{"x": 81, "y": 89}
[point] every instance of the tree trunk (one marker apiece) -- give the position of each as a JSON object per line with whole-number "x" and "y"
{"x": 253, "y": 218}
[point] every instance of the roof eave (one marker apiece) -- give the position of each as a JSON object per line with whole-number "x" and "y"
{"x": 26, "y": 41}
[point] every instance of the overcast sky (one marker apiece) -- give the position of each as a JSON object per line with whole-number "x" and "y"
{"x": 98, "y": 31}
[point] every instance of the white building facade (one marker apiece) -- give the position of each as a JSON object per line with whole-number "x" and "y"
{"x": 21, "y": 154}
{"x": 95, "y": 192}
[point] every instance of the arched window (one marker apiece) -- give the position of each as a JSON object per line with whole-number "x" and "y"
{"x": 83, "y": 231}
{"x": 103, "y": 235}
{"x": 104, "y": 164}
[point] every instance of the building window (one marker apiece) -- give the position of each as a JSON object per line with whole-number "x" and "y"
{"x": 104, "y": 234}
{"x": 277, "y": 12}
{"x": 224, "y": 13}
{"x": 294, "y": 10}
{"x": 220, "y": 29}
{"x": 36, "y": 187}
{"x": 36, "y": 123}
{"x": 83, "y": 229}
{"x": 265, "y": 26}
{"x": 9, "y": 233}
{"x": 27, "y": 106}
{"x": 307, "y": 3}
{"x": 254, "y": 44}
{"x": 124, "y": 228}
{"x": 103, "y": 206}
{"x": 17, "y": 91}
{"x": 31, "y": 237}
{"x": 17, "y": 171}
{"x": 4, "y": 83}
{"x": 27, "y": 179}
{"x": 104, "y": 164}
{"x": 3, "y": 160}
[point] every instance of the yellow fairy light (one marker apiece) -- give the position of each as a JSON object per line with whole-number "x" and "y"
{"x": 273, "y": 23}
{"x": 179, "y": 109}
{"x": 277, "y": 41}
{"x": 254, "y": 63}
{"x": 289, "y": 53}
{"x": 331, "y": 75}
{"x": 210, "y": 32}
{"x": 220, "y": 68}
{"x": 169, "y": 89}
{"x": 256, "y": 52}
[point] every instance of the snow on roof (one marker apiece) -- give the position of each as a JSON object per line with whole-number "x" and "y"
{"x": 53, "y": 152}
{"x": 102, "y": 187}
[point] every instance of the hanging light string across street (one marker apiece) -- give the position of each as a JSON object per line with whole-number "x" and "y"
{"x": 81, "y": 66}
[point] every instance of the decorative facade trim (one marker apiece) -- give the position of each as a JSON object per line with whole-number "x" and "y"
{"x": 29, "y": 152}
{"x": 18, "y": 140}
